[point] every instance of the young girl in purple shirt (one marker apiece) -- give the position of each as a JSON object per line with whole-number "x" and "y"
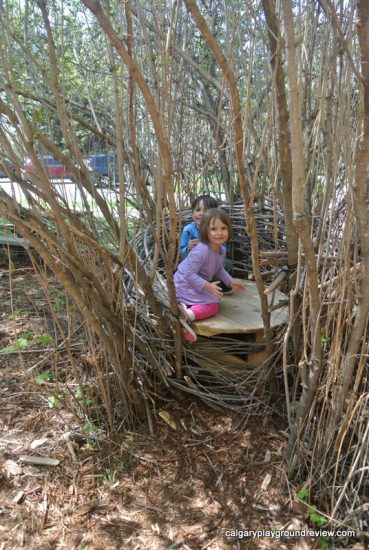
{"x": 197, "y": 291}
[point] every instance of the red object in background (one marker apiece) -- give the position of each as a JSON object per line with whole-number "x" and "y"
{"x": 53, "y": 167}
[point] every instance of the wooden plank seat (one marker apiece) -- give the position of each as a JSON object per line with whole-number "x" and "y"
{"x": 240, "y": 313}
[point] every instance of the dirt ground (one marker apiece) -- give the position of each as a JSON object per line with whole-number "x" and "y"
{"x": 199, "y": 486}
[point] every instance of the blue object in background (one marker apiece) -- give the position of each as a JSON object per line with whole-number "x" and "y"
{"x": 104, "y": 168}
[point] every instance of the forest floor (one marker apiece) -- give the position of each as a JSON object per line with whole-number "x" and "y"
{"x": 199, "y": 486}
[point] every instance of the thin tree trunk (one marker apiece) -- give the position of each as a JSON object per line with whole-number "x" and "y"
{"x": 310, "y": 380}
{"x": 283, "y": 129}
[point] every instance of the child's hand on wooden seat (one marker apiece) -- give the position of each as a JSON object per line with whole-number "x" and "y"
{"x": 214, "y": 289}
{"x": 237, "y": 286}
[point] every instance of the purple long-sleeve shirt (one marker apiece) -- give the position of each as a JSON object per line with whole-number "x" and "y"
{"x": 201, "y": 266}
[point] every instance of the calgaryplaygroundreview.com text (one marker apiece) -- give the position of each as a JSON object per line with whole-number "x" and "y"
{"x": 277, "y": 534}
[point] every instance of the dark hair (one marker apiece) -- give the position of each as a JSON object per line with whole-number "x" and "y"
{"x": 218, "y": 214}
{"x": 208, "y": 200}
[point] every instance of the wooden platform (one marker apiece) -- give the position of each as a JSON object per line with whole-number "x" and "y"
{"x": 240, "y": 313}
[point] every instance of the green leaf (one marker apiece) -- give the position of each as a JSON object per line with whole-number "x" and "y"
{"x": 22, "y": 342}
{"x": 303, "y": 495}
{"x": 316, "y": 518}
{"x": 89, "y": 427}
{"x": 7, "y": 350}
{"x": 38, "y": 116}
{"x": 15, "y": 314}
{"x": 78, "y": 392}
{"x": 110, "y": 475}
{"x": 42, "y": 377}
{"x": 59, "y": 301}
{"x": 44, "y": 339}
{"x": 53, "y": 401}
{"x": 324, "y": 542}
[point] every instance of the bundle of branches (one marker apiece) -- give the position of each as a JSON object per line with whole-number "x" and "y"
{"x": 333, "y": 446}
{"x": 215, "y": 368}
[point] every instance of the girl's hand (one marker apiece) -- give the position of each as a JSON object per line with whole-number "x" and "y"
{"x": 239, "y": 287}
{"x": 214, "y": 289}
{"x": 192, "y": 243}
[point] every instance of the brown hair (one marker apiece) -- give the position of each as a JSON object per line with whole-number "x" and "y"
{"x": 217, "y": 214}
{"x": 208, "y": 201}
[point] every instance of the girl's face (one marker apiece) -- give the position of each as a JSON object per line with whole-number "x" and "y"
{"x": 198, "y": 212}
{"x": 218, "y": 233}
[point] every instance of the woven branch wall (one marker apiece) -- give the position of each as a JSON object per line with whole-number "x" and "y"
{"x": 214, "y": 368}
